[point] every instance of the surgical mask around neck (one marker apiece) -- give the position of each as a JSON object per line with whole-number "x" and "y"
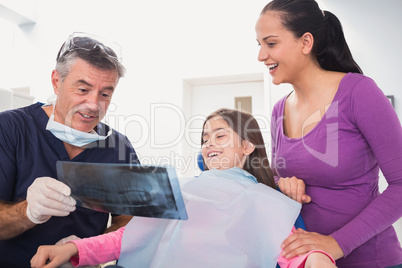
{"x": 72, "y": 136}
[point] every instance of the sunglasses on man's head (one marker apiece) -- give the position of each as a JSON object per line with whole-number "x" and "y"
{"x": 89, "y": 42}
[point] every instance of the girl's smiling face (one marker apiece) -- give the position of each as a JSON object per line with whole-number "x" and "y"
{"x": 222, "y": 147}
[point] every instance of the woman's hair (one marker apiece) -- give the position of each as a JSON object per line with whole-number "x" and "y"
{"x": 245, "y": 125}
{"x": 330, "y": 47}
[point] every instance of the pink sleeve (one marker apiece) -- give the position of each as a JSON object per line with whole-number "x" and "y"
{"x": 298, "y": 262}
{"x": 98, "y": 249}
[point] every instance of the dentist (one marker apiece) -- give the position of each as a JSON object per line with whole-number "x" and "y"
{"x": 35, "y": 208}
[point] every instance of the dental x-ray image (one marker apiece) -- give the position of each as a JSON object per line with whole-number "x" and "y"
{"x": 125, "y": 189}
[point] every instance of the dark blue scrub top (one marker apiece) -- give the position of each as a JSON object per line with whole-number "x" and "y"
{"x": 29, "y": 151}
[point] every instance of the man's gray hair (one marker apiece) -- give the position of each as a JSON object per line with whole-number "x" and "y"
{"x": 96, "y": 57}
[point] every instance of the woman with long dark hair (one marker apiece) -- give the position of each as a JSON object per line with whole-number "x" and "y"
{"x": 331, "y": 136}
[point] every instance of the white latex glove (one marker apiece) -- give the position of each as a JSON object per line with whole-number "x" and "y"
{"x": 48, "y": 197}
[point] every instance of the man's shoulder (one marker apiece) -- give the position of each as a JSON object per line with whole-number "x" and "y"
{"x": 18, "y": 116}
{"x": 26, "y": 111}
{"x": 17, "y": 124}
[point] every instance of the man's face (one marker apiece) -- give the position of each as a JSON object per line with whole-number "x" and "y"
{"x": 84, "y": 95}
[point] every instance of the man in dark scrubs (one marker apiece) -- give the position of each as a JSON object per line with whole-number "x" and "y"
{"x": 35, "y": 208}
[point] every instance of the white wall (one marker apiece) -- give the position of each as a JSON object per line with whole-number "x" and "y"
{"x": 372, "y": 29}
{"x": 165, "y": 42}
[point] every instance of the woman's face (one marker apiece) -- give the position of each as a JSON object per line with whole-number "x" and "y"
{"x": 222, "y": 147}
{"x": 280, "y": 50}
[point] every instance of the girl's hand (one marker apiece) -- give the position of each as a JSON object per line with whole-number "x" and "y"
{"x": 319, "y": 260}
{"x": 53, "y": 256}
{"x": 295, "y": 189}
{"x": 301, "y": 242}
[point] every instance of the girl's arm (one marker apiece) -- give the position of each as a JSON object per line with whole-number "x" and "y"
{"x": 54, "y": 256}
{"x": 319, "y": 260}
{"x": 87, "y": 251}
{"x": 313, "y": 259}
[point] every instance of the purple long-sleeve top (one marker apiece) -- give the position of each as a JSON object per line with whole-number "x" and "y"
{"x": 339, "y": 161}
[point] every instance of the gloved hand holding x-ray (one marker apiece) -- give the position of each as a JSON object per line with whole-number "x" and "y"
{"x": 124, "y": 189}
{"x": 48, "y": 197}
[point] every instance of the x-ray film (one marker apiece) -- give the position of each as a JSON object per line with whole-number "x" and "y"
{"x": 125, "y": 189}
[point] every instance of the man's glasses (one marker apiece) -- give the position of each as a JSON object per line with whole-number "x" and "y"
{"x": 88, "y": 42}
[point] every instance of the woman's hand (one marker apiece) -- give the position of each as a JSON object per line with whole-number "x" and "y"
{"x": 53, "y": 256}
{"x": 301, "y": 242}
{"x": 295, "y": 189}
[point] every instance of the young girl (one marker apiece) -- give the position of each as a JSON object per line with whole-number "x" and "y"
{"x": 235, "y": 220}
{"x": 331, "y": 135}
